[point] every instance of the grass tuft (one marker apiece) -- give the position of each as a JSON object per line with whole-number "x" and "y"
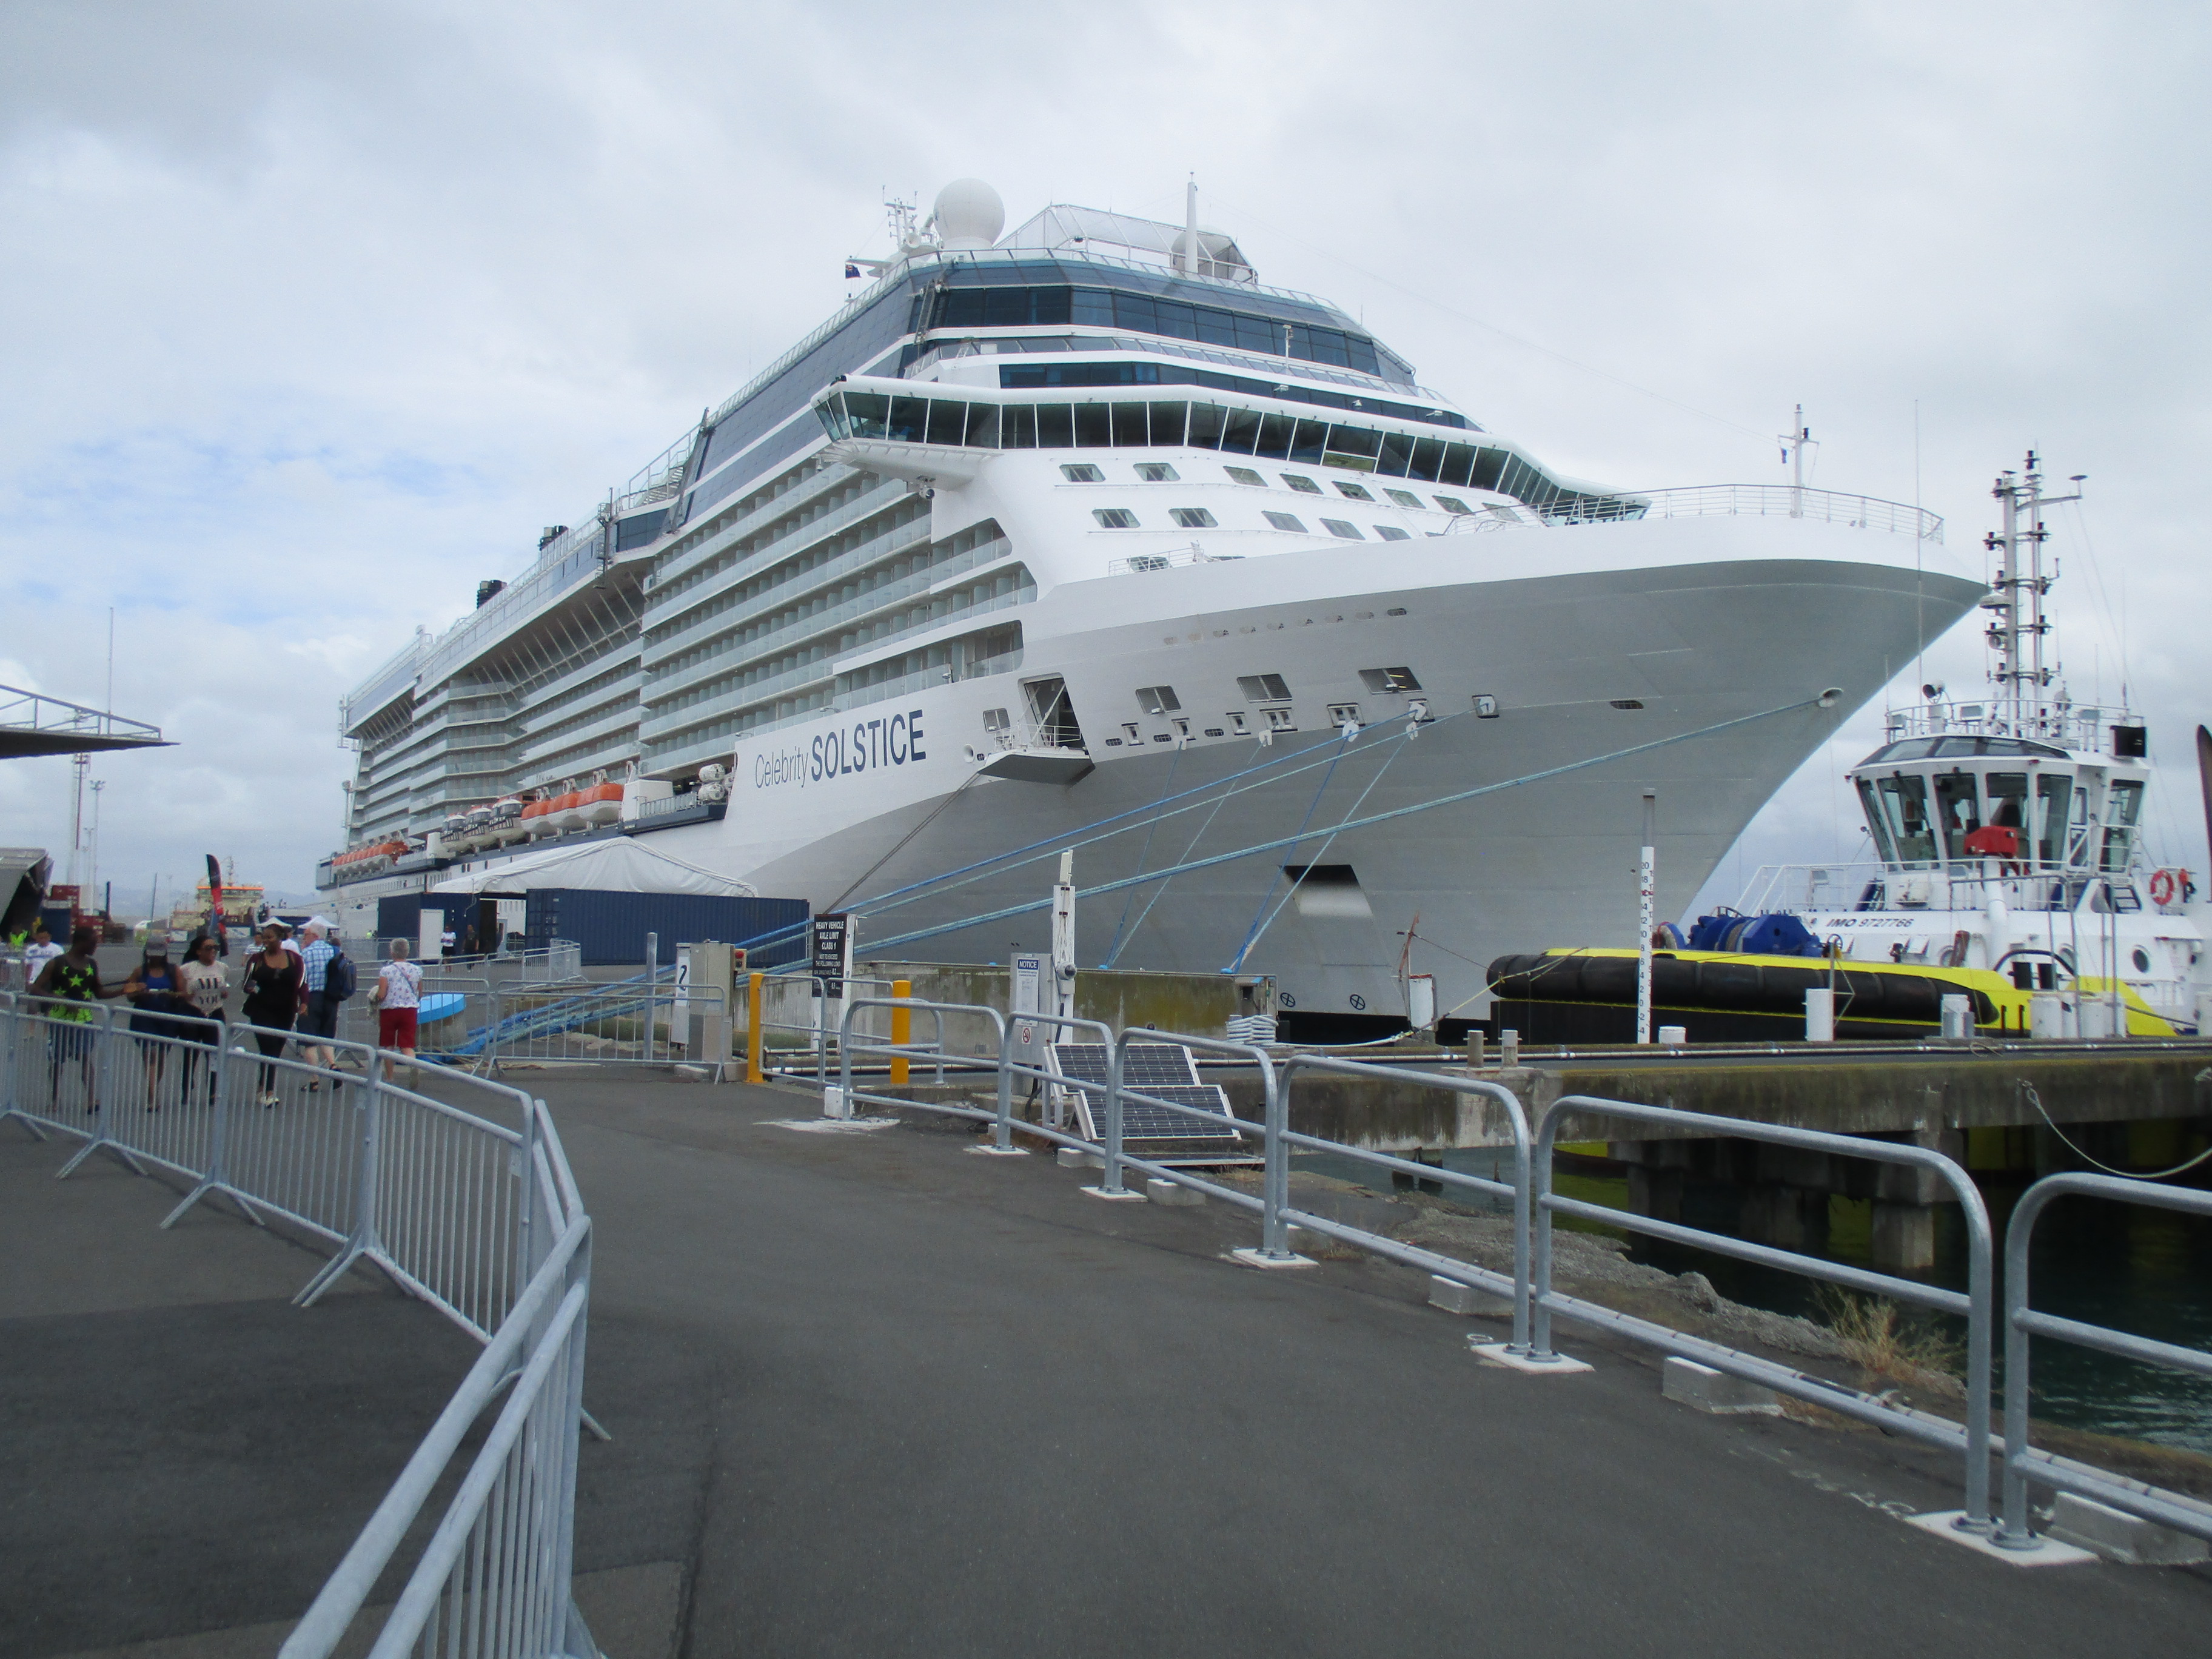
{"x": 1892, "y": 1342}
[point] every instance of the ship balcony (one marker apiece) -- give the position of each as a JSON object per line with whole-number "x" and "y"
{"x": 695, "y": 621}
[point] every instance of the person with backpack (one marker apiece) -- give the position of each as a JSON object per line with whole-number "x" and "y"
{"x": 327, "y": 979}
{"x": 69, "y": 986}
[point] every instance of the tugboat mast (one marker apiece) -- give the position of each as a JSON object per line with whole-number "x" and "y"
{"x": 2017, "y": 632}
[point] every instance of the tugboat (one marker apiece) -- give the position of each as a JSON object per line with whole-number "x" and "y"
{"x": 2011, "y": 871}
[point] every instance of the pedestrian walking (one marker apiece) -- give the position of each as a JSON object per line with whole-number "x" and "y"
{"x": 70, "y": 986}
{"x": 38, "y": 953}
{"x": 206, "y": 987}
{"x": 397, "y": 995}
{"x": 155, "y": 990}
{"x": 272, "y": 1002}
{"x": 327, "y": 979}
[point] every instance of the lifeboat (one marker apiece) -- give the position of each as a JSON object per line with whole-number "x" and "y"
{"x": 537, "y": 818}
{"x": 601, "y": 803}
{"x": 569, "y": 812}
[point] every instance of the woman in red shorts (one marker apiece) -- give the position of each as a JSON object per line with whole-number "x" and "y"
{"x": 397, "y": 994}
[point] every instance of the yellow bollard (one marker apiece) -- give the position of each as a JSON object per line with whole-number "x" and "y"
{"x": 901, "y": 1030}
{"x": 753, "y": 1072}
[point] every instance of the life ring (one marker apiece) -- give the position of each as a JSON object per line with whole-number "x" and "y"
{"x": 2163, "y": 887}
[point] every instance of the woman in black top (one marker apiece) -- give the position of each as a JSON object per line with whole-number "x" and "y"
{"x": 272, "y": 1001}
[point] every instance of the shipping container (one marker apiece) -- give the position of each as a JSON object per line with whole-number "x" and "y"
{"x": 610, "y": 927}
{"x": 400, "y": 916}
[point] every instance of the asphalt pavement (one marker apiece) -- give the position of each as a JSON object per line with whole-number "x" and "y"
{"x": 872, "y": 1394}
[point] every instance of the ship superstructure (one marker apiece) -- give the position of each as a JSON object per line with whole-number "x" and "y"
{"x": 2007, "y": 830}
{"x": 1082, "y": 536}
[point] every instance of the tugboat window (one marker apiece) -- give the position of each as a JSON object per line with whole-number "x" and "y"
{"x": 1958, "y": 810}
{"x": 2051, "y": 789}
{"x": 1904, "y": 809}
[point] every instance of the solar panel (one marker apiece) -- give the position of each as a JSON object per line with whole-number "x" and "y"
{"x": 1164, "y": 1070}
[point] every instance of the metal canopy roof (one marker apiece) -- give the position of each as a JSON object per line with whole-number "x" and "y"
{"x": 31, "y": 723}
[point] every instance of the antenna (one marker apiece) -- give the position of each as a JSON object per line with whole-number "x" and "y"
{"x": 1793, "y": 444}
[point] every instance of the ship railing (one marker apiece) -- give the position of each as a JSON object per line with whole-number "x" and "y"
{"x": 467, "y": 1203}
{"x": 1745, "y": 500}
{"x": 922, "y": 679}
{"x": 2059, "y": 725}
{"x": 1166, "y": 558}
{"x": 2025, "y": 885}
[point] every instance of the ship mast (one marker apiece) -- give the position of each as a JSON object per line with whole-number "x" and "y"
{"x": 2017, "y": 632}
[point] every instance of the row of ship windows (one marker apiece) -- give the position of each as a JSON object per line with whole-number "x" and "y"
{"x": 1161, "y": 472}
{"x": 1263, "y": 433}
{"x": 1197, "y": 518}
{"x": 1045, "y": 307}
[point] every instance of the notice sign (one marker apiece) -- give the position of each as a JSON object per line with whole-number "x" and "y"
{"x": 832, "y": 940}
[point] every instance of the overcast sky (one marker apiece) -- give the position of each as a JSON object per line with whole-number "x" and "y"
{"x": 316, "y": 314}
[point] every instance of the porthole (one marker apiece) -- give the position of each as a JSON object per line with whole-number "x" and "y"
{"x": 2141, "y": 959}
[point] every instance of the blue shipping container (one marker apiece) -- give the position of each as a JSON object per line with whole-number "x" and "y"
{"x": 611, "y": 926}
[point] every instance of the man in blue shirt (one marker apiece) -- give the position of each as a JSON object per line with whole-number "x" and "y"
{"x": 318, "y": 1014}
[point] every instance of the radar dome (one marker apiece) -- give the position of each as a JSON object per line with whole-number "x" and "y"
{"x": 968, "y": 214}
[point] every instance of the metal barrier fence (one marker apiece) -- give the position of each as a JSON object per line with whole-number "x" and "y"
{"x": 555, "y": 962}
{"x": 1973, "y": 1440}
{"x": 1534, "y": 1301}
{"x": 479, "y": 1218}
{"x": 2022, "y": 1321}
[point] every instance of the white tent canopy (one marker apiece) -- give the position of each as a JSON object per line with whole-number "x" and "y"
{"x": 617, "y": 865}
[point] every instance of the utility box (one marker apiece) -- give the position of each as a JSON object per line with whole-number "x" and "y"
{"x": 706, "y": 975}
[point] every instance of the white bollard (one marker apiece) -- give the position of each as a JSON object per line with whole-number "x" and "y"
{"x": 1675, "y": 1036}
{"x": 1958, "y": 1019}
{"x": 1819, "y": 1016}
{"x": 1509, "y": 1047}
{"x": 2046, "y": 1015}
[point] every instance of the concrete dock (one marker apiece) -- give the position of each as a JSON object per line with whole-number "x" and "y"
{"x": 872, "y": 1395}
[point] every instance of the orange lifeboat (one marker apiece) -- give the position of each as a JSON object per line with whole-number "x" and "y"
{"x": 568, "y": 812}
{"x": 537, "y": 818}
{"x": 601, "y": 803}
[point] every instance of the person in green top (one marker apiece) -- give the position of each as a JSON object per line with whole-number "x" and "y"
{"x": 69, "y": 986}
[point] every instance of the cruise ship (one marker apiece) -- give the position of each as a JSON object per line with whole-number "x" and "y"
{"x": 1080, "y": 537}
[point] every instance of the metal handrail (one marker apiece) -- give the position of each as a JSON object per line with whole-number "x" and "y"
{"x": 1974, "y": 1306}
{"x": 1518, "y": 1190}
{"x": 2022, "y": 1321}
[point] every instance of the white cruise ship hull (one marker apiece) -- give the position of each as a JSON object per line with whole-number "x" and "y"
{"x": 1725, "y": 632}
